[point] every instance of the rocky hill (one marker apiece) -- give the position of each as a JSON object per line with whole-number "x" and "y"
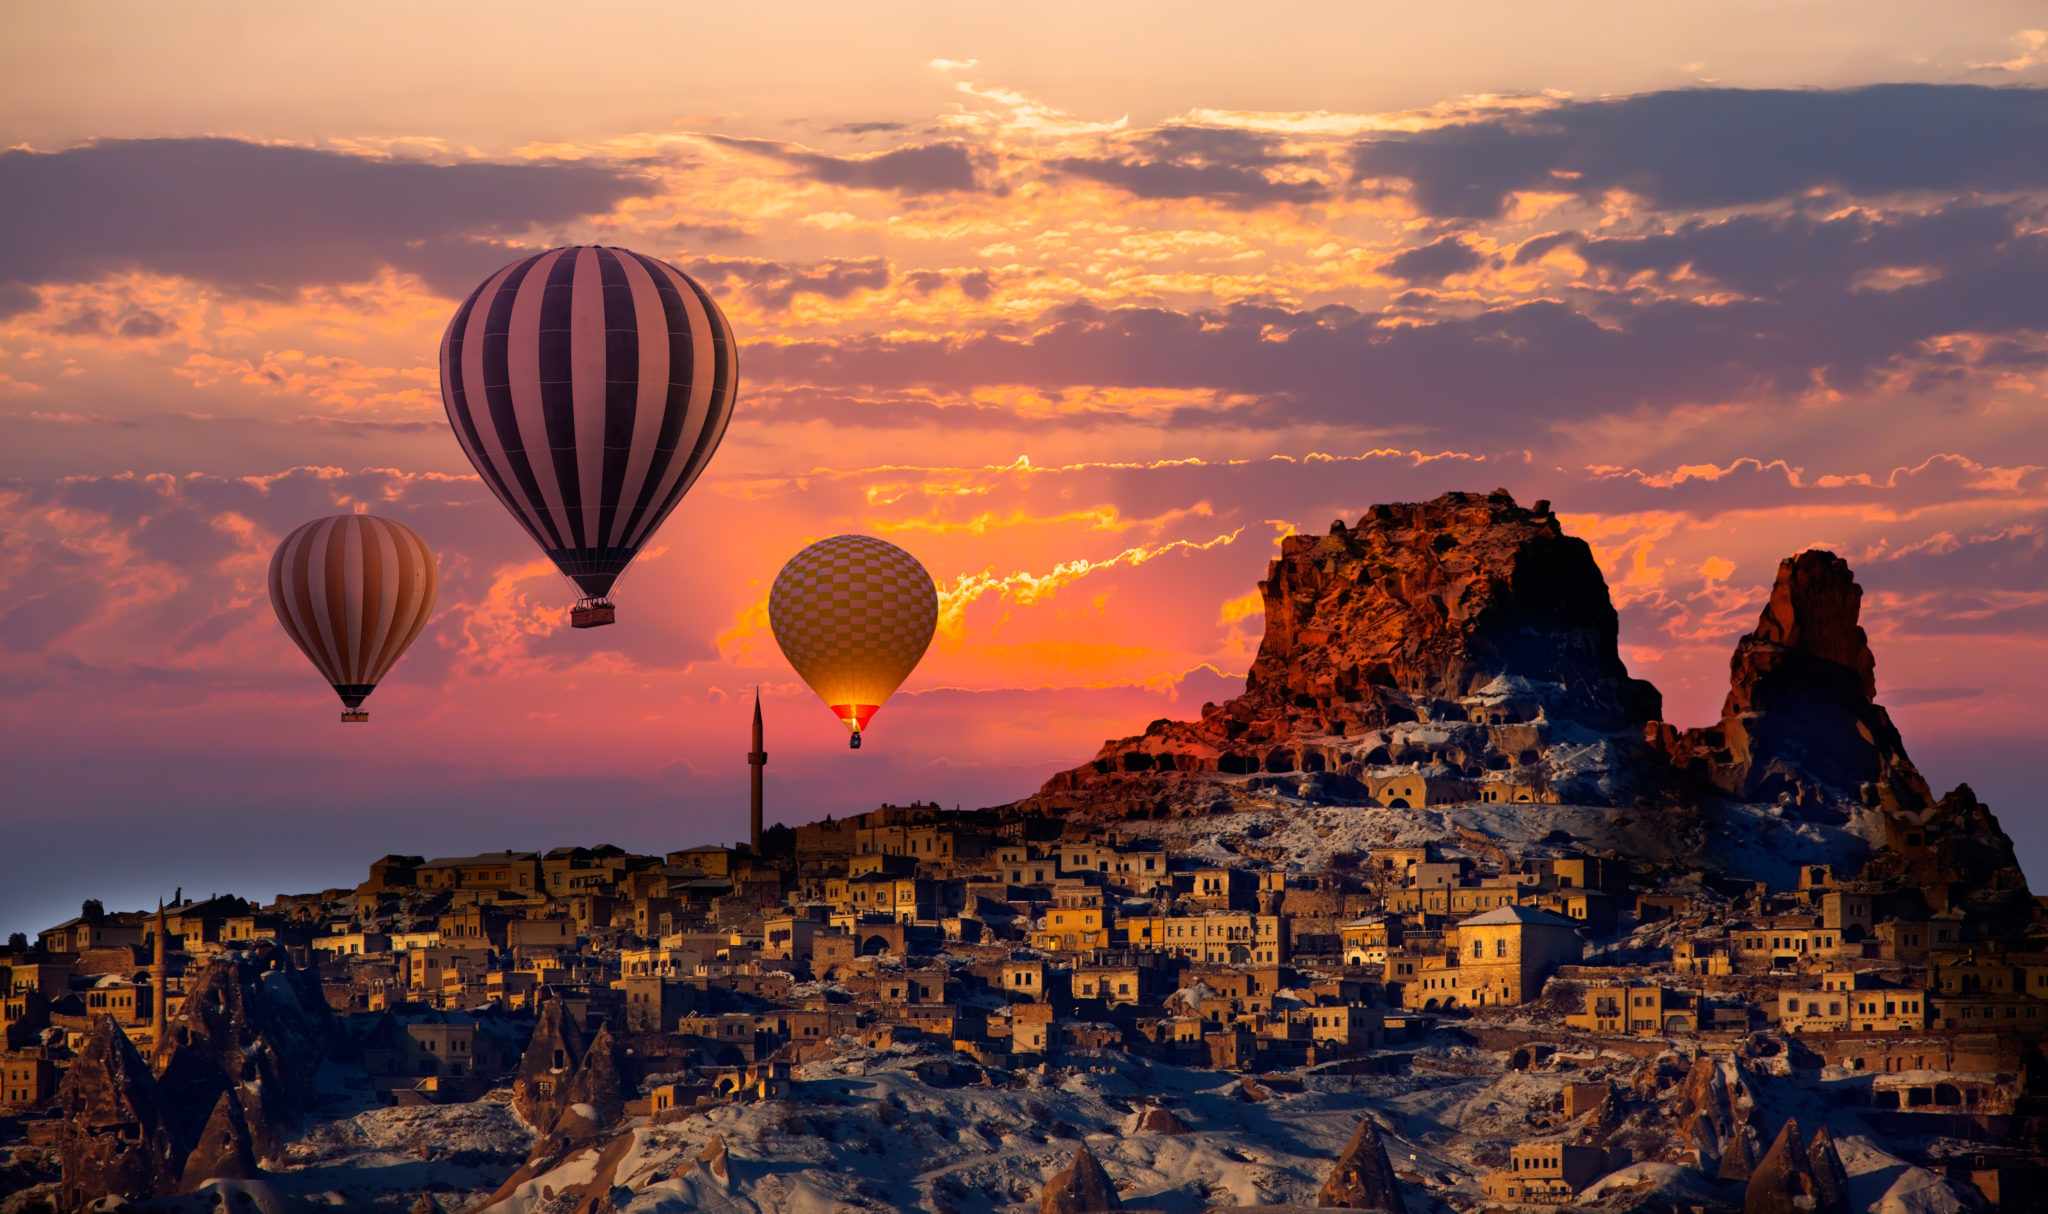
{"x": 1465, "y": 639}
{"x": 1465, "y": 651}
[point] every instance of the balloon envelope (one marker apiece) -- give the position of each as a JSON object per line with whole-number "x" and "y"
{"x": 353, "y": 591}
{"x": 853, "y": 615}
{"x": 589, "y": 386}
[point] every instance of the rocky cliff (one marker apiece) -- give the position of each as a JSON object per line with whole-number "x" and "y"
{"x": 1802, "y": 723}
{"x": 1465, "y": 650}
{"x": 1462, "y": 637}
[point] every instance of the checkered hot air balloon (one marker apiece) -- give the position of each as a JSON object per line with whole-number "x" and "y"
{"x": 353, "y": 591}
{"x": 853, "y": 614}
{"x": 590, "y": 387}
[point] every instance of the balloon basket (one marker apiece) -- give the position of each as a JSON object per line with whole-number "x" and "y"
{"x": 592, "y": 613}
{"x": 853, "y": 743}
{"x": 350, "y": 716}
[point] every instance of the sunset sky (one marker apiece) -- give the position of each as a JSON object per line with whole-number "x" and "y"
{"x": 1084, "y": 308}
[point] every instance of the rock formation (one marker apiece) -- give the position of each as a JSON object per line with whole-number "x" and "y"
{"x": 1159, "y": 1120}
{"x": 1784, "y": 1181}
{"x": 540, "y": 1087}
{"x": 1477, "y": 620}
{"x": 715, "y": 1161}
{"x": 1364, "y": 1177}
{"x": 224, "y": 1151}
{"x": 1082, "y": 1187}
{"x": 113, "y": 1140}
{"x": 254, "y": 1024}
{"x": 1465, "y": 649}
{"x": 236, "y": 1066}
{"x": 1738, "y": 1154}
{"x": 1802, "y": 722}
{"x": 1955, "y": 855}
{"x": 1704, "y": 1095}
{"x": 1830, "y": 1178}
{"x": 597, "y": 1082}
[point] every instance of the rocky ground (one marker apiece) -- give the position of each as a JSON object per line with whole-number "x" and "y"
{"x": 866, "y": 1133}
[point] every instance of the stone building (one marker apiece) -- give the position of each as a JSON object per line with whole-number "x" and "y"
{"x": 1546, "y": 1173}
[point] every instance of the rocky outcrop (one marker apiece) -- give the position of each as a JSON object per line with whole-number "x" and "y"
{"x": 1739, "y": 1154}
{"x": 235, "y": 1069}
{"x": 1704, "y": 1094}
{"x": 1784, "y": 1181}
{"x": 1954, "y": 856}
{"x": 716, "y": 1162}
{"x": 1364, "y": 1177}
{"x": 113, "y": 1141}
{"x": 1468, "y": 614}
{"x": 598, "y": 1083}
{"x": 1159, "y": 1120}
{"x": 1082, "y": 1187}
{"x": 254, "y": 1024}
{"x": 540, "y": 1088}
{"x": 1830, "y": 1178}
{"x": 1801, "y": 723}
{"x": 224, "y": 1150}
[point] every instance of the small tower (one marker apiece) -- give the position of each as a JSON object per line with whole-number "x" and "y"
{"x": 159, "y": 981}
{"x": 757, "y": 759}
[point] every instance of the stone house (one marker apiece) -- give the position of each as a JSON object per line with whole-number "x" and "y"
{"x": 129, "y": 1003}
{"x": 656, "y": 1004}
{"x": 1500, "y": 957}
{"x": 1067, "y": 930}
{"x": 507, "y": 870}
{"x": 1644, "y": 1011}
{"x": 1346, "y": 1026}
{"x": 1223, "y": 888}
{"x": 27, "y": 1081}
{"x": 1024, "y": 980}
{"x": 78, "y": 935}
{"x": 1370, "y": 939}
{"x": 1703, "y": 956}
{"x": 1222, "y": 938}
{"x": 1413, "y": 789}
{"x": 1876, "y": 1004}
{"x": 1545, "y": 1173}
{"x": 1113, "y": 984}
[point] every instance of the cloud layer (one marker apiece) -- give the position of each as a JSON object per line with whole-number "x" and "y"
{"x": 1088, "y": 371}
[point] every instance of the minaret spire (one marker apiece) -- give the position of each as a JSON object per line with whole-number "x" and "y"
{"x": 757, "y": 759}
{"x": 159, "y": 981}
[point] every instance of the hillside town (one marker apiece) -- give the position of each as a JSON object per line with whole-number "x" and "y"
{"x": 1001, "y": 945}
{"x": 1397, "y": 951}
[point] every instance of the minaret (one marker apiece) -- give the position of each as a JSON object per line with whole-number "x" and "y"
{"x": 159, "y": 981}
{"x": 757, "y": 758}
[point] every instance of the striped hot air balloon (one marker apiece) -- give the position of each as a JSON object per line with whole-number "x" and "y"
{"x": 853, "y": 615}
{"x": 590, "y": 387}
{"x": 352, "y": 591}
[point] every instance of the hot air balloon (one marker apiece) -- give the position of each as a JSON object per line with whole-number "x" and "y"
{"x": 590, "y": 387}
{"x": 352, "y": 591}
{"x": 853, "y": 614}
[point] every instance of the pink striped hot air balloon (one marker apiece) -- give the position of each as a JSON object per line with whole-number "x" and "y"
{"x": 590, "y": 387}
{"x": 353, "y": 591}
